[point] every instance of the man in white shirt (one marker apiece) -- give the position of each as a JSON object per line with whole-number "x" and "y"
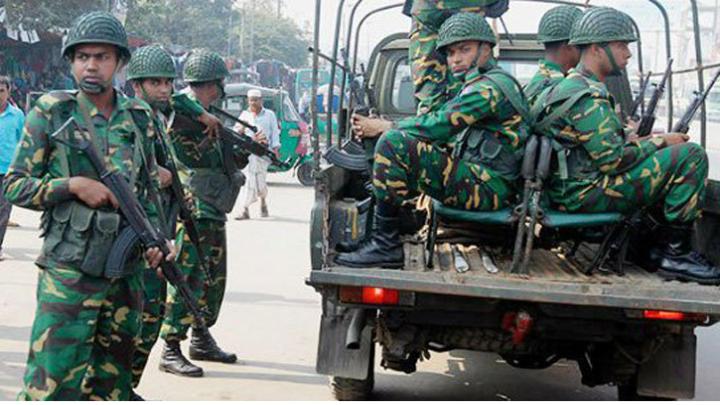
{"x": 256, "y": 171}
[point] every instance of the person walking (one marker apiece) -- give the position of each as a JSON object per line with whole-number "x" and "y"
{"x": 12, "y": 120}
{"x": 257, "y": 169}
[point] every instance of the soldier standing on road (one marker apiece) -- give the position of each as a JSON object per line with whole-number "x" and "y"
{"x": 257, "y": 169}
{"x": 82, "y": 338}
{"x": 215, "y": 191}
{"x": 151, "y": 73}
{"x": 481, "y": 174}
{"x": 560, "y": 57}
{"x": 599, "y": 172}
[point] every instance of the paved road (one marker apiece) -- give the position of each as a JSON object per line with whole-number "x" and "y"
{"x": 270, "y": 319}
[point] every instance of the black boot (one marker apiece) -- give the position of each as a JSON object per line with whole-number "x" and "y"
{"x": 204, "y": 347}
{"x": 382, "y": 249}
{"x": 172, "y": 361}
{"x": 676, "y": 260}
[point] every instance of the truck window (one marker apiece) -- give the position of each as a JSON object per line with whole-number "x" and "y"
{"x": 403, "y": 98}
{"x": 522, "y": 70}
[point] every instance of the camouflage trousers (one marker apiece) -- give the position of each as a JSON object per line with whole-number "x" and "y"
{"x": 431, "y": 78}
{"x": 83, "y": 337}
{"x": 152, "y": 316}
{"x": 209, "y": 293}
{"x": 406, "y": 166}
{"x": 672, "y": 180}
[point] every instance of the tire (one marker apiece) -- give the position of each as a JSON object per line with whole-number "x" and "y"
{"x": 304, "y": 174}
{"x": 348, "y": 389}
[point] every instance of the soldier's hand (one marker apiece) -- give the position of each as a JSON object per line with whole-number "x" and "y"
{"x": 92, "y": 192}
{"x": 165, "y": 177}
{"x": 675, "y": 138}
{"x": 366, "y": 127}
{"x": 212, "y": 124}
{"x": 154, "y": 256}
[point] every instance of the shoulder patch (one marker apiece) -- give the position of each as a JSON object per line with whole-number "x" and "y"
{"x": 51, "y": 100}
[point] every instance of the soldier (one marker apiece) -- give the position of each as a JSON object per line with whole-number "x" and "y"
{"x": 599, "y": 172}
{"x": 82, "y": 339}
{"x": 215, "y": 190}
{"x": 151, "y": 73}
{"x": 434, "y": 85}
{"x": 410, "y": 159}
{"x": 554, "y": 34}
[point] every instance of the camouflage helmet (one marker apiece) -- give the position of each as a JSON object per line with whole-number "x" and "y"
{"x": 97, "y": 27}
{"x": 204, "y": 66}
{"x": 556, "y": 24}
{"x": 465, "y": 27}
{"x": 151, "y": 61}
{"x": 602, "y": 25}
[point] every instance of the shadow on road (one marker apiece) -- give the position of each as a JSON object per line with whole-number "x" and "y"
{"x": 287, "y": 185}
{"x": 17, "y": 333}
{"x": 11, "y": 374}
{"x": 481, "y": 377}
{"x": 297, "y": 379}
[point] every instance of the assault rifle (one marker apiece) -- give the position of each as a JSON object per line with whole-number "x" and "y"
{"x": 230, "y": 136}
{"x": 639, "y": 100}
{"x": 683, "y": 126}
{"x": 134, "y": 214}
{"x": 648, "y": 119}
{"x": 184, "y": 211}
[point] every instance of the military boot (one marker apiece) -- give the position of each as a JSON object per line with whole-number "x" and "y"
{"x": 675, "y": 259}
{"x": 382, "y": 249}
{"x": 172, "y": 361}
{"x": 204, "y": 347}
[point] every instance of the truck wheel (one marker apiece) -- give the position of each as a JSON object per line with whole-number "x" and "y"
{"x": 348, "y": 389}
{"x": 304, "y": 174}
{"x": 628, "y": 392}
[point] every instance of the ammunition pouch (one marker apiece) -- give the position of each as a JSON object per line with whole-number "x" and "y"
{"x": 217, "y": 188}
{"x": 481, "y": 147}
{"x": 79, "y": 236}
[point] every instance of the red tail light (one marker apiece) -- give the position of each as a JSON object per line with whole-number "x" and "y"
{"x": 673, "y": 316}
{"x": 369, "y": 295}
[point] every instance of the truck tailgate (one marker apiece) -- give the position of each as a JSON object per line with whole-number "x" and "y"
{"x": 552, "y": 279}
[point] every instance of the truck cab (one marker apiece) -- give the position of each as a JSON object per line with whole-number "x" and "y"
{"x": 632, "y": 329}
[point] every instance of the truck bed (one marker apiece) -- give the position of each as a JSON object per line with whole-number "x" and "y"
{"x": 552, "y": 278}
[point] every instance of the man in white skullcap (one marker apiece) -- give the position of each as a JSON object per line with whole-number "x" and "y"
{"x": 256, "y": 171}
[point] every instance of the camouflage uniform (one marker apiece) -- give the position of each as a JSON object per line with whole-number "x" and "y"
{"x": 85, "y": 325}
{"x": 433, "y": 84}
{"x": 481, "y": 172}
{"x": 606, "y": 173}
{"x": 210, "y": 221}
{"x": 555, "y": 27}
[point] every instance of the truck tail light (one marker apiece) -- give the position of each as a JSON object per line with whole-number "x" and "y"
{"x": 673, "y": 316}
{"x": 369, "y": 295}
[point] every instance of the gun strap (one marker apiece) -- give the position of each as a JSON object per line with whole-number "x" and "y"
{"x": 514, "y": 96}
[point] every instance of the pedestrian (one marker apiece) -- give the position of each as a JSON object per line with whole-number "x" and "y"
{"x": 86, "y": 323}
{"x": 257, "y": 169}
{"x": 12, "y": 120}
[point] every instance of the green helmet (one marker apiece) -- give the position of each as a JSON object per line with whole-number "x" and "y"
{"x": 151, "y": 61}
{"x": 556, "y": 24}
{"x": 465, "y": 27}
{"x": 602, "y": 25}
{"x": 204, "y": 66}
{"x": 97, "y": 27}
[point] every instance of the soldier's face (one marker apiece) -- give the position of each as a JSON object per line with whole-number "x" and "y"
{"x": 95, "y": 65}
{"x": 462, "y": 56}
{"x": 621, "y": 53}
{"x": 155, "y": 91}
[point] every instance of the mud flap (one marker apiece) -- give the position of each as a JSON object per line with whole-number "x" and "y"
{"x": 671, "y": 371}
{"x": 333, "y": 358}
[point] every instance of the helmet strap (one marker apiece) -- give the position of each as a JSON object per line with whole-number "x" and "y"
{"x": 616, "y": 71}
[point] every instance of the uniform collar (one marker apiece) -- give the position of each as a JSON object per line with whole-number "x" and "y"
{"x": 583, "y": 71}
{"x": 550, "y": 65}
{"x": 479, "y": 71}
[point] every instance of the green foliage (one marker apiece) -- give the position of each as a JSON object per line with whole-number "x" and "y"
{"x": 270, "y": 37}
{"x": 49, "y": 14}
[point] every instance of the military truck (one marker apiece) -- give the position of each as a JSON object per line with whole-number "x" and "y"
{"x": 466, "y": 284}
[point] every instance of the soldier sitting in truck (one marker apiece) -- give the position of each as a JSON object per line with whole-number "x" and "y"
{"x": 560, "y": 57}
{"x": 598, "y": 171}
{"x": 409, "y": 159}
